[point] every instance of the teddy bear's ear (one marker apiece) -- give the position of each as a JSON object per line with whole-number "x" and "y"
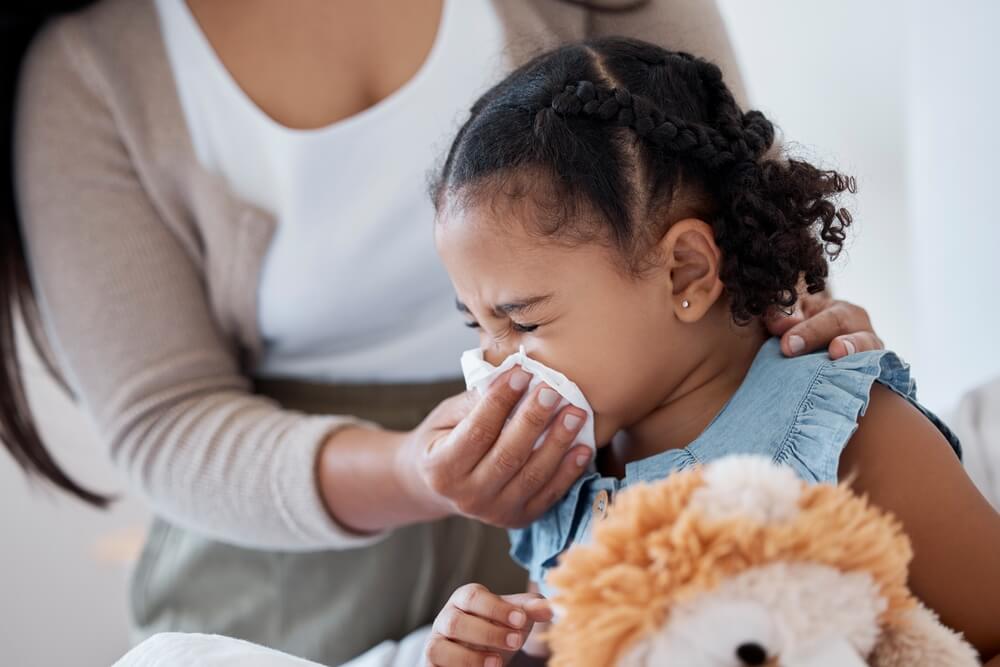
{"x": 750, "y": 487}
{"x": 921, "y": 640}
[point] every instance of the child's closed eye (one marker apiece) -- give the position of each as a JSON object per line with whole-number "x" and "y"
{"x": 520, "y": 328}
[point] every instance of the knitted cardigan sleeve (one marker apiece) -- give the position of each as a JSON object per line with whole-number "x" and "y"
{"x": 126, "y": 310}
{"x": 695, "y": 26}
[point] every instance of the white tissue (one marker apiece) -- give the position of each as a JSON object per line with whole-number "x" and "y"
{"x": 479, "y": 373}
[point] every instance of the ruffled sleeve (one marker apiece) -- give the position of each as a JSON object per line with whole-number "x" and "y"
{"x": 837, "y": 398}
{"x": 537, "y": 546}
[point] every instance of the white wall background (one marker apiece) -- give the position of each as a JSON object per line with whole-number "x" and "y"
{"x": 953, "y": 161}
{"x": 63, "y": 566}
{"x": 900, "y": 94}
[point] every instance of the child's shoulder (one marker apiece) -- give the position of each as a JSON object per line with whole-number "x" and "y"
{"x": 858, "y": 370}
{"x": 802, "y": 411}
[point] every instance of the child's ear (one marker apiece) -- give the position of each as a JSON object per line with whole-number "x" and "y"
{"x": 692, "y": 259}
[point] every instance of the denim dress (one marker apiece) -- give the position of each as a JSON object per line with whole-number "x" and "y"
{"x": 799, "y": 412}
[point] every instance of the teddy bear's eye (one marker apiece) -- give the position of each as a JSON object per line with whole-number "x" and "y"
{"x": 751, "y": 653}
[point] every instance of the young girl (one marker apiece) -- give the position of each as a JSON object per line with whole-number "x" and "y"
{"x": 609, "y": 207}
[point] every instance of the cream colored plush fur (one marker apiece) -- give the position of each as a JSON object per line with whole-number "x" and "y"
{"x": 715, "y": 565}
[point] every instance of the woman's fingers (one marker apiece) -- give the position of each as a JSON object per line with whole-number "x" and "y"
{"x": 486, "y": 467}
{"x": 475, "y": 435}
{"x": 514, "y": 446}
{"x": 451, "y": 411}
{"x": 835, "y": 319}
{"x": 778, "y": 322}
{"x": 570, "y": 467}
{"x": 864, "y": 341}
{"x": 543, "y": 462}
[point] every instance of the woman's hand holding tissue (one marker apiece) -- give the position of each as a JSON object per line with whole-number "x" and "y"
{"x": 467, "y": 458}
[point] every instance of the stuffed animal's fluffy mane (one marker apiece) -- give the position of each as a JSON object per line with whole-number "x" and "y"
{"x": 655, "y": 549}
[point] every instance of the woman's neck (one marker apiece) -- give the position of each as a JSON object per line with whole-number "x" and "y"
{"x": 693, "y": 402}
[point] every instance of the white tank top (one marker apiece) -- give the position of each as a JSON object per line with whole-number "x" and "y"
{"x": 351, "y": 289}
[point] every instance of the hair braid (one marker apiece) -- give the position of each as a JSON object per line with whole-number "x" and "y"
{"x": 775, "y": 219}
{"x": 702, "y": 142}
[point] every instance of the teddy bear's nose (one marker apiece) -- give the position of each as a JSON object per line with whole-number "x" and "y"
{"x": 751, "y": 653}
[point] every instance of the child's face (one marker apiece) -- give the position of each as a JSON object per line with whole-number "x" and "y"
{"x": 571, "y": 307}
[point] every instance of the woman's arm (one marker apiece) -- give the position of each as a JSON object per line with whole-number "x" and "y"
{"x": 126, "y": 306}
{"x": 904, "y": 464}
{"x": 695, "y": 26}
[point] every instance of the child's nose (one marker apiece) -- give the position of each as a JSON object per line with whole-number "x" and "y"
{"x": 498, "y": 351}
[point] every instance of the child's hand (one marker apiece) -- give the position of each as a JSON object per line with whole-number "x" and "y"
{"x": 479, "y": 628}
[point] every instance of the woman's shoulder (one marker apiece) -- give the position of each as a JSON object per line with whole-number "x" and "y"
{"x": 110, "y": 18}
{"x": 106, "y": 44}
{"x": 803, "y": 410}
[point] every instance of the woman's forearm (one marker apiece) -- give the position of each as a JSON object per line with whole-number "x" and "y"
{"x": 364, "y": 485}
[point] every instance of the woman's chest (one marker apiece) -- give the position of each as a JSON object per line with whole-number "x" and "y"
{"x": 324, "y": 62}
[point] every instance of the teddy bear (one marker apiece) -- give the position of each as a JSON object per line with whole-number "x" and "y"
{"x": 739, "y": 562}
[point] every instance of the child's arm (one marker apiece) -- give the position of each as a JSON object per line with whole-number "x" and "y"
{"x": 478, "y": 627}
{"x": 903, "y": 463}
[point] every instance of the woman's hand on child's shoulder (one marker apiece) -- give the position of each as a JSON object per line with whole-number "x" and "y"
{"x": 478, "y": 627}
{"x": 819, "y": 321}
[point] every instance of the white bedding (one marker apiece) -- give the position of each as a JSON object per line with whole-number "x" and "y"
{"x": 171, "y": 649}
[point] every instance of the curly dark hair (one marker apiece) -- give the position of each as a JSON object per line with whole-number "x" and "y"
{"x": 643, "y": 137}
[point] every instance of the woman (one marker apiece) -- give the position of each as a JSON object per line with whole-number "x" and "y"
{"x": 227, "y": 229}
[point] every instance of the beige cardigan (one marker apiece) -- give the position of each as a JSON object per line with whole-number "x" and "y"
{"x": 147, "y": 266}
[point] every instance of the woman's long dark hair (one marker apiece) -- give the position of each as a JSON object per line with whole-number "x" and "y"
{"x": 18, "y": 24}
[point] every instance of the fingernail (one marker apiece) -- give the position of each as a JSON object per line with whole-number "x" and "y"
{"x": 547, "y": 397}
{"x": 492, "y": 661}
{"x": 581, "y": 459}
{"x": 796, "y": 344}
{"x": 513, "y": 640}
{"x": 571, "y": 421}
{"x": 516, "y": 618}
{"x": 519, "y": 379}
{"x": 849, "y": 346}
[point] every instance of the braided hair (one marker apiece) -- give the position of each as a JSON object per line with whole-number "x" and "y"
{"x": 640, "y": 137}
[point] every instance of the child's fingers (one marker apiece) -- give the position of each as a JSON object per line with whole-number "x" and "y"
{"x": 539, "y": 611}
{"x": 443, "y": 652}
{"x": 477, "y": 600}
{"x": 458, "y": 625}
{"x": 538, "y": 608}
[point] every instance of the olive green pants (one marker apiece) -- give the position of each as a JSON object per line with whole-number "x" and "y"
{"x": 325, "y": 606}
